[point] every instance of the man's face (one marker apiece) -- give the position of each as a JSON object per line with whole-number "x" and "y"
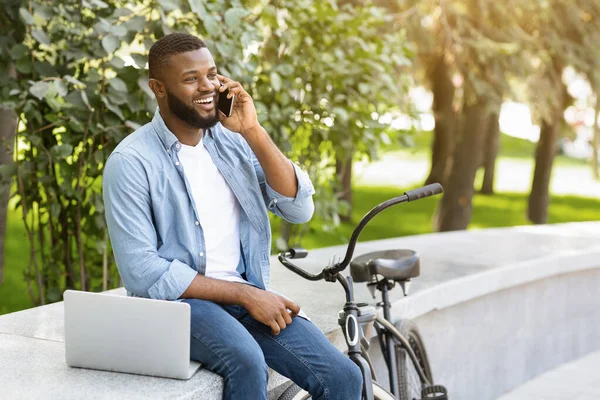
{"x": 191, "y": 86}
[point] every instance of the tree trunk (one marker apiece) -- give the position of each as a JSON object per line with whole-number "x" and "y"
{"x": 8, "y": 131}
{"x": 539, "y": 198}
{"x": 455, "y": 208}
{"x": 596, "y": 138}
{"x": 490, "y": 152}
{"x": 445, "y": 121}
{"x": 343, "y": 172}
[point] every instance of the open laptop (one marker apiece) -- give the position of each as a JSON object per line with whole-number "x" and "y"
{"x": 128, "y": 334}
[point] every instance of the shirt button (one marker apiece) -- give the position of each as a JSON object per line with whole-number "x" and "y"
{"x": 197, "y": 223}
{"x": 178, "y": 145}
{"x": 201, "y": 254}
{"x": 176, "y": 162}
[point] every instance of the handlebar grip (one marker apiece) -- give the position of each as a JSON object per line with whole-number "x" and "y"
{"x": 425, "y": 191}
{"x": 297, "y": 252}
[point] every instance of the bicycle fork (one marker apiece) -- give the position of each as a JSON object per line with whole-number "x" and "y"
{"x": 352, "y": 334}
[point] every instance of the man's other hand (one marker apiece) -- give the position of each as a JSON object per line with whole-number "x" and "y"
{"x": 270, "y": 309}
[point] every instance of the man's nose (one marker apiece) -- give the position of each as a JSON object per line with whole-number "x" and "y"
{"x": 205, "y": 85}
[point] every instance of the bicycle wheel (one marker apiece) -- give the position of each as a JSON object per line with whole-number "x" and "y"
{"x": 295, "y": 392}
{"x": 409, "y": 382}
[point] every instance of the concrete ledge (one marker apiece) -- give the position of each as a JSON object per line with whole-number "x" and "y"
{"x": 485, "y": 302}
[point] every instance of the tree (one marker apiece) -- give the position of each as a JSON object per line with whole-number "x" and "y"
{"x": 81, "y": 87}
{"x": 336, "y": 71}
{"x": 568, "y": 35}
{"x": 12, "y": 32}
{"x": 490, "y": 152}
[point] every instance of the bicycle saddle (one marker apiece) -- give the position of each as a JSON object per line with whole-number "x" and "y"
{"x": 396, "y": 265}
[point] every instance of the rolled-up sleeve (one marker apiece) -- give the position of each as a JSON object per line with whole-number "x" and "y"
{"x": 133, "y": 236}
{"x": 298, "y": 209}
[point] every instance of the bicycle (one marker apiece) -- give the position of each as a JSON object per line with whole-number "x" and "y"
{"x": 408, "y": 367}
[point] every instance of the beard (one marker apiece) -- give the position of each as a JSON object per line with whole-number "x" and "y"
{"x": 190, "y": 115}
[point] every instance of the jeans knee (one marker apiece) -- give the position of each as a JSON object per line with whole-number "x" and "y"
{"x": 345, "y": 380}
{"x": 250, "y": 361}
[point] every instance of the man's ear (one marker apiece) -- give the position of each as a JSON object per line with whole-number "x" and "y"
{"x": 157, "y": 87}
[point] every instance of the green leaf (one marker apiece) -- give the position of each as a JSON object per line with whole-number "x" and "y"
{"x": 118, "y": 30}
{"x": 19, "y": 51}
{"x": 211, "y": 24}
{"x": 143, "y": 84}
{"x": 114, "y": 109}
{"x": 110, "y": 43}
{"x": 26, "y": 16}
{"x": 122, "y": 12}
{"x": 44, "y": 68}
{"x": 99, "y": 4}
{"x": 233, "y": 17}
{"x": 118, "y": 84}
{"x": 14, "y": 92}
{"x": 62, "y": 151}
{"x": 39, "y": 89}
{"x": 73, "y": 81}
{"x": 139, "y": 59}
{"x": 169, "y": 5}
{"x": 117, "y": 62}
{"x": 197, "y": 7}
{"x": 53, "y": 103}
{"x": 275, "y": 81}
{"x": 137, "y": 23}
{"x": 55, "y": 209}
{"x": 285, "y": 69}
{"x": 61, "y": 88}
{"x": 73, "y": 100}
{"x": 40, "y": 36}
{"x": 85, "y": 100}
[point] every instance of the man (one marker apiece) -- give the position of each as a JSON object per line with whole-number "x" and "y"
{"x": 186, "y": 201}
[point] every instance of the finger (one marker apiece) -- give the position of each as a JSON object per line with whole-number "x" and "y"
{"x": 274, "y": 328}
{"x": 287, "y": 317}
{"x": 293, "y": 307}
{"x": 280, "y": 321}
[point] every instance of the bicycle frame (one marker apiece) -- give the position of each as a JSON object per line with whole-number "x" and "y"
{"x": 353, "y": 336}
{"x": 349, "y": 320}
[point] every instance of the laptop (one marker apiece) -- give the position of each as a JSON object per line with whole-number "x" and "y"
{"x": 128, "y": 334}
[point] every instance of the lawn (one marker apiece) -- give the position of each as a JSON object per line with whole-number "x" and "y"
{"x": 510, "y": 147}
{"x": 499, "y": 210}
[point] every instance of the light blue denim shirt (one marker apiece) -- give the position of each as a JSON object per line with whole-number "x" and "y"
{"x": 153, "y": 223}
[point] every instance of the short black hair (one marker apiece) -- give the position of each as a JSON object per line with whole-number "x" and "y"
{"x": 169, "y": 45}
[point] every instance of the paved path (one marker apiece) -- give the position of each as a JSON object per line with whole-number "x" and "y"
{"x": 577, "y": 380}
{"x": 512, "y": 175}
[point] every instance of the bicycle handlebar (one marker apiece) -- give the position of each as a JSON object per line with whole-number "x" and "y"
{"x": 329, "y": 272}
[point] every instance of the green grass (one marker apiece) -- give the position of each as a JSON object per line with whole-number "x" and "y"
{"x": 510, "y": 147}
{"x": 499, "y": 210}
{"x": 13, "y": 292}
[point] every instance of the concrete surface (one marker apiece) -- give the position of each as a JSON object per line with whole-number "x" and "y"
{"x": 467, "y": 278}
{"x": 577, "y": 380}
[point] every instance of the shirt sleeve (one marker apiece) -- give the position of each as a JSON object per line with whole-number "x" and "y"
{"x": 298, "y": 209}
{"x": 133, "y": 236}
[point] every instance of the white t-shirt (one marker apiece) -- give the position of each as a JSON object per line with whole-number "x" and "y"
{"x": 218, "y": 210}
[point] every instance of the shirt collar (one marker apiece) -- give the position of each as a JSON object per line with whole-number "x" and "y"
{"x": 165, "y": 135}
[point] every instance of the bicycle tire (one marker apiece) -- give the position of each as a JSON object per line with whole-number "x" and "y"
{"x": 295, "y": 392}
{"x": 409, "y": 382}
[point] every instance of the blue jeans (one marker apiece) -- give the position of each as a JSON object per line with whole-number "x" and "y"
{"x": 229, "y": 342}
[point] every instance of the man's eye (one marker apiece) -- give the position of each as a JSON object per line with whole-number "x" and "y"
{"x": 191, "y": 79}
{"x": 212, "y": 76}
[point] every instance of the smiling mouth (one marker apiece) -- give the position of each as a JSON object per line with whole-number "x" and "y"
{"x": 205, "y": 101}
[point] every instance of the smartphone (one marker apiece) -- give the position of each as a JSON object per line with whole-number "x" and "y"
{"x": 225, "y": 104}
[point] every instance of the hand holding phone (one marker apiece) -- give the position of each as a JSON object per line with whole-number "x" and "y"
{"x": 226, "y": 105}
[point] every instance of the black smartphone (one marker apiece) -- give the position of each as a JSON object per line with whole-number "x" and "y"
{"x": 225, "y": 104}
